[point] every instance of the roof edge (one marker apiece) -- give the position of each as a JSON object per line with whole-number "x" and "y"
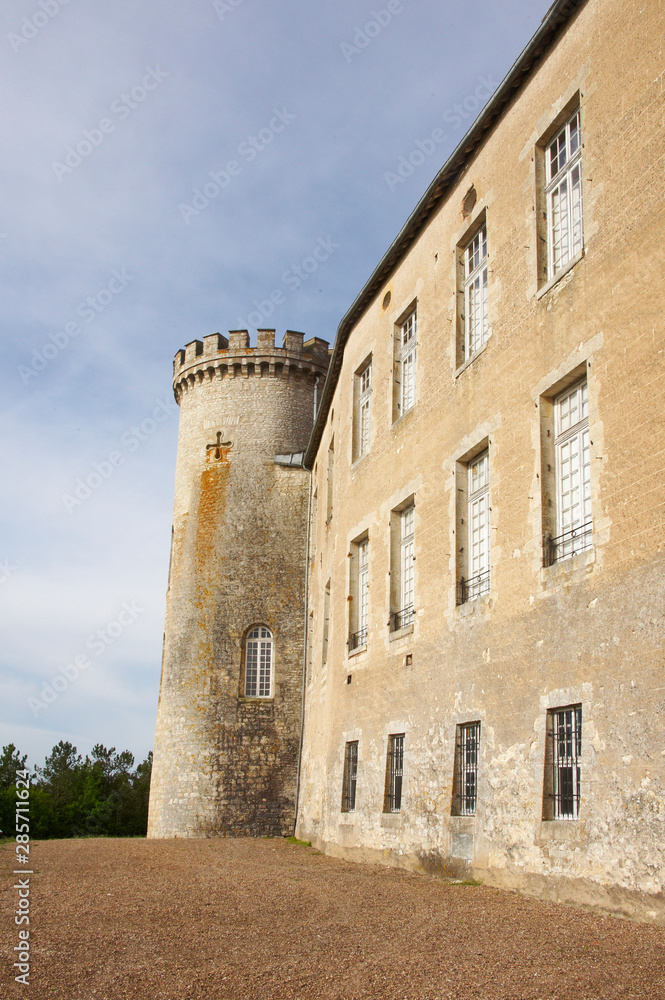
{"x": 558, "y": 15}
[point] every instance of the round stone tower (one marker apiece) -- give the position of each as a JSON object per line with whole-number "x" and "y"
{"x": 228, "y": 723}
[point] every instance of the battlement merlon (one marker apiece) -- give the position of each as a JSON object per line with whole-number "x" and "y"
{"x": 222, "y": 355}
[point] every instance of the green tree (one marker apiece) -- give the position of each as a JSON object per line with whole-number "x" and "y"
{"x": 11, "y": 761}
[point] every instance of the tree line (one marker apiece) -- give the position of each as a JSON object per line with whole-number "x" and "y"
{"x": 101, "y": 795}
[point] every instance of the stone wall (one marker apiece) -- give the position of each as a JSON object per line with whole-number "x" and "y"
{"x": 589, "y": 630}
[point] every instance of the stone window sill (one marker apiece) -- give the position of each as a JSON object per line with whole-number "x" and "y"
{"x": 559, "y": 274}
{"x": 478, "y": 605}
{"x": 469, "y": 361}
{"x": 569, "y": 831}
{"x": 462, "y": 824}
{"x": 551, "y": 576}
{"x": 400, "y": 633}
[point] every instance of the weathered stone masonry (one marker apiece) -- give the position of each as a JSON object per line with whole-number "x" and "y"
{"x": 224, "y": 763}
{"x": 583, "y": 632}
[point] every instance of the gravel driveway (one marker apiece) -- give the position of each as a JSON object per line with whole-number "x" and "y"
{"x": 236, "y": 919}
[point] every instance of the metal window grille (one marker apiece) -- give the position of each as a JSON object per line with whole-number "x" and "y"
{"x": 394, "y": 774}
{"x": 350, "y": 774}
{"x": 365, "y": 390}
{"x": 400, "y": 619}
{"x": 465, "y": 781}
{"x": 407, "y": 363}
{"x": 565, "y": 752}
{"x": 476, "y": 318}
{"x": 475, "y": 586}
{"x": 563, "y": 158}
{"x": 478, "y": 562}
{"x": 358, "y": 639}
{"x": 258, "y": 663}
{"x": 573, "y": 476}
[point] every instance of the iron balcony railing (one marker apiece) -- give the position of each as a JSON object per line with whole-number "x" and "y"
{"x": 568, "y": 543}
{"x": 399, "y": 619}
{"x": 475, "y": 586}
{"x": 358, "y": 639}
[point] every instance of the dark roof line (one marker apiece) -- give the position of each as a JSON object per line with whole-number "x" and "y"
{"x": 559, "y": 14}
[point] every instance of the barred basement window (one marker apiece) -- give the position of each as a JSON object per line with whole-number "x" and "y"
{"x": 476, "y": 320}
{"x": 465, "y": 779}
{"x": 349, "y": 780}
{"x": 258, "y": 663}
{"x": 563, "y": 175}
{"x": 392, "y": 800}
{"x": 562, "y": 763}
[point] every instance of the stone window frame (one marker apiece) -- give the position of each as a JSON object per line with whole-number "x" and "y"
{"x": 249, "y": 639}
{"x": 358, "y": 599}
{"x": 465, "y": 769}
{"x": 560, "y": 542}
{"x": 471, "y": 587}
{"x": 562, "y": 765}
{"x": 405, "y": 351}
{"x": 330, "y": 473}
{"x": 394, "y": 783}
{"x": 464, "y": 279}
{"x": 401, "y": 614}
{"x": 547, "y": 184}
{"x": 350, "y": 777}
{"x": 325, "y": 626}
{"x": 362, "y": 409}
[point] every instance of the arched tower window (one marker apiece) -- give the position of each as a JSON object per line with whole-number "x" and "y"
{"x": 258, "y": 663}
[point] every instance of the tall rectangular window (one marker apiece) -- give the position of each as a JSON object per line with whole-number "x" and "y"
{"x": 326, "y": 625}
{"x": 465, "y": 779}
{"x": 405, "y": 366}
{"x": 475, "y": 577}
{"x": 574, "y": 526}
{"x": 562, "y": 763}
{"x": 392, "y": 801}
{"x": 563, "y": 192}
{"x": 362, "y": 392}
{"x": 476, "y": 319}
{"x": 402, "y": 567}
{"x": 329, "y": 482}
{"x": 350, "y": 774}
{"x": 359, "y": 603}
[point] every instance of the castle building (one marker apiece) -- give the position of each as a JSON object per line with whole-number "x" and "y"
{"x": 482, "y": 625}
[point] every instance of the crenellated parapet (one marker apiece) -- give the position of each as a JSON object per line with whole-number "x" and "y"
{"x": 217, "y": 357}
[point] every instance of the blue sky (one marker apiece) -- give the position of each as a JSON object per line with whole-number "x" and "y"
{"x": 166, "y": 168}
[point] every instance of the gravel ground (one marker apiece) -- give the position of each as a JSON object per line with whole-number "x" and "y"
{"x": 264, "y": 919}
